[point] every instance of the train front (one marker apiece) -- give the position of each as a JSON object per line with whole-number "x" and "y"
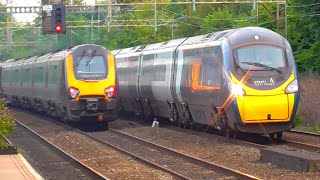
{"x": 263, "y": 83}
{"x": 91, "y": 83}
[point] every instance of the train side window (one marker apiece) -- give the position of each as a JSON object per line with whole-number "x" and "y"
{"x": 121, "y": 69}
{"x": 39, "y": 76}
{"x": 160, "y": 66}
{"x": 16, "y": 77}
{"x": 53, "y": 76}
{"x": 133, "y": 66}
{"x": 26, "y": 76}
{"x": 210, "y": 67}
{"x": 147, "y": 67}
{"x": 205, "y": 68}
{"x": 5, "y": 76}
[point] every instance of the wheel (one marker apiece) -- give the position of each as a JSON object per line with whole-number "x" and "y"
{"x": 271, "y": 135}
{"x": 279, "y": 136}
{"x": 64, "y": 117}
{"x": 105, "y": 125}
{"x": 235, "y": 133}
{"x": 227, "y": 133}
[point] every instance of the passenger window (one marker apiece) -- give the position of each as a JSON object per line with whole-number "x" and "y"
{"x": 205, "y": 68}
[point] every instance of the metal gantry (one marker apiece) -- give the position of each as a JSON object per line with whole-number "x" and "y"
{"x": 114, "y": 7}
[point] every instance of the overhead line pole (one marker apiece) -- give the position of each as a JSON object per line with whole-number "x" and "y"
{"x": 155, "y": 18}
{"x": 109, "y": 15}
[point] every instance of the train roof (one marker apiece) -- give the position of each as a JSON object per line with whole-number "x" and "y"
{"x": 132, "y": 51}
{"x": 233, "y": 34}
{"x": 259, "y": 34}
{"x": 172, "y": 44}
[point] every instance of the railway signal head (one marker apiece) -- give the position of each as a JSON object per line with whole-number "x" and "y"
{"x": 59, "y": 28}
{"x": 58, "y": 18}
{"x": 54, "y": 19}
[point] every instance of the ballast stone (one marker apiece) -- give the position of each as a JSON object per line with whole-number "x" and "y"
{"x": 293, "y": 160}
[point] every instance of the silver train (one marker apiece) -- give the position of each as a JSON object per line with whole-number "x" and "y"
{"x": 215, "y": 79}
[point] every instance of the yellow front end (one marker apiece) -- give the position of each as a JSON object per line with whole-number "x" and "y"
{"x": 265, "y": 106}
{"x": 91, "y": 88}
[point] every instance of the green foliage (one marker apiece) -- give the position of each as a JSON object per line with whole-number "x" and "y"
{"x": 312, "y": 128}
{"x": 175, "y": 21}
{"x": 220, "y": 18}
{"x": 298, "y": 119}
{"x": 6, "y": 122}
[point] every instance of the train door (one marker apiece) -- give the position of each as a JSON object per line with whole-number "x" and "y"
{"x": 199, "y": 79}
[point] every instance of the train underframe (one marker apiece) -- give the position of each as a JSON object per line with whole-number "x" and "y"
{"x": 222, "y": 120}
{"x": 87, "y": 109}
{"x": 92, "y": 108}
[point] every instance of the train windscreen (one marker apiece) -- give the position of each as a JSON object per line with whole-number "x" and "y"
{"x": 90, "y": 67}
{"x": 260, "y": 57}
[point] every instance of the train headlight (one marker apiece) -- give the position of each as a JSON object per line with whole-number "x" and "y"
{"x": 110, "y": 91}
{"x": 292, "y": 87}
{"x": 236, "y": 89}
{"x": 74, "y": 92}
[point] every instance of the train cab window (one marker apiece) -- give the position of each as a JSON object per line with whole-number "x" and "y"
{"x": 260, "y": 57}
{"x": 90, "y": 68}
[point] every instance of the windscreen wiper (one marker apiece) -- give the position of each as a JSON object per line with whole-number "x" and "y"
{"x": 236, "y": 62}
{"x": 90, "y": 58}
{"x": 83, "y": 52}
{"x": 262, "y": 65}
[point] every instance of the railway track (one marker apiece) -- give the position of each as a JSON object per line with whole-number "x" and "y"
{"x": 256, "y": 143}
{"x": 305, "y": 133}
{"x": 202, "y": 166}
{"x": 86, "y": 171}
{"x": 179, "y": 165}
{"x": 128, "y": 144}
{"x": 306, "y": 144}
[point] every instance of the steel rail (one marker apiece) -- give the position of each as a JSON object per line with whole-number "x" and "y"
{"x": 154, "y": 165}
{"x": 295, "y": 144}
{"x": 145, "y": 161}
{"x": 304, "y": 132}
{"x": 215, "y": 167}
{"x": 86, "y": 169}
{"x": 301, "y": 145}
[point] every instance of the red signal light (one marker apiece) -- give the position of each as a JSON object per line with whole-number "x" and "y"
{"x": 58, "y": 28}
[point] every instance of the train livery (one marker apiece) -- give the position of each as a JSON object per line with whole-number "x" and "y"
{"x": 237, "y": 80}
{"x": 72, "y": 84}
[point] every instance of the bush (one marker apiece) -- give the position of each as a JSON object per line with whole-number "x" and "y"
{"x": 298, "y": 119}
{"x": 309, "y": 104}
{"x": 7, "y": 123}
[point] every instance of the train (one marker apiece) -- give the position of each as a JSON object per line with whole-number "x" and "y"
{"x": 236, "y": 80}
{"x": 75, "y": 84}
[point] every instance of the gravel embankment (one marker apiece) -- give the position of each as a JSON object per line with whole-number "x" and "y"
{"x": 242, "y": 158}
{"x": 105, "y": 160}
